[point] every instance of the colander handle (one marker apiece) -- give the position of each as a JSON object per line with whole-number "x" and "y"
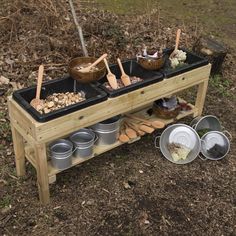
{"x": 155, "y": 141}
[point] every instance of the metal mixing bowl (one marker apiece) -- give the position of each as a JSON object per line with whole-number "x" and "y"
{"x": 181, "y": 134}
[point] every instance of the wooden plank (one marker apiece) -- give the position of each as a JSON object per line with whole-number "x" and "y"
{"x": 201, "y": 96}
{"x": 29, "y": 154}
{"x": 18, "y": 143}
{"x": 42, "y": 172}
{"x": 21, "y": 117}
{"x": 47, "y": 131}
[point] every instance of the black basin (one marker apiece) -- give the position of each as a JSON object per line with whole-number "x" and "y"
{"x": 92, "y": 93}
{"x": 131, "y": 68}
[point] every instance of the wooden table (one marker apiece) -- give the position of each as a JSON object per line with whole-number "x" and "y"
{"x": 31, "y": 138}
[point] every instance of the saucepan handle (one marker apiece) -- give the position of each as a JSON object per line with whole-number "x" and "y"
{"x": 200, "y": 155}
{"x": 228, "y": 134}
{"x": 155, "y": 142}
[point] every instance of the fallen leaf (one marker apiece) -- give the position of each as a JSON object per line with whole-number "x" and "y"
{"x": 126, "y": 185}
{"x": 4, "y": 80}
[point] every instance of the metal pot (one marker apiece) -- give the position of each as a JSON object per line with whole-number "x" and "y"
{"x": 215, "y": 145}
{"x": 180, "y": 134}
{"x": 61, "y": 153}
{"x": 206, "y": 122}
{"x": 107, "y": 125}
{"x": 83, "y": 141}
{"x": 107, "y": 137}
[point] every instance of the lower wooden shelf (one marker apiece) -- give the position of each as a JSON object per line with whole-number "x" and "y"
{"x": 52, "y": 171}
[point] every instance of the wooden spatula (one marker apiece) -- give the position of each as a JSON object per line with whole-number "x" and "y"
{"x": 130, "y": 132}
{"x": 176, "y": 43}
{"x": 124, "y": 77}
{"x": 136, "y": 128}
{"x": 88, "y": 68}
{"x": 36, "y": 101}
{"x": 155, "y": 124}
{"x": 110, "y": 77}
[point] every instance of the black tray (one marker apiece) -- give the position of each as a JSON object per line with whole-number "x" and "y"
{"x": 92, "y": 93}
{"x": 131, "y": 68}
{"x": 193, "y": 61}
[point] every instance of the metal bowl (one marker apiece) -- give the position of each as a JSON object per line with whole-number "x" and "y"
{"x": 215, "y": 145}
{"x": 89, "y": 76}
{"x": 206, "y": 122}
{"x": 180, "y": 134}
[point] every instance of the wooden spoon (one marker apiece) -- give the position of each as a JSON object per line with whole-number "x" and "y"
{"x": 36, "y": 101}
{"x": 155, "y": 124}
{"x": 88, "y": 68}
{"x": 130, "y": 132}
{"x": 123, "y": 137}
{"x": 111, "y": 77}
{"x": 146, "y": 128}
{"x": 136, "y": 128}
{"x": 124, "y": 77}
{"x": 176, "y": 43}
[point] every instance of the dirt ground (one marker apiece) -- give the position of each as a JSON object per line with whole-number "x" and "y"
{"x": 91, "y": 199}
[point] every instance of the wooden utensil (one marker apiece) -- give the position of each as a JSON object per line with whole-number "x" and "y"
{"x": 155, "y": 124}
{"x": 124, "y": 77}
{"x": 88, "y": 68}
{"x": 146, "y": 128}
{"x": 36, "y": 101}
{"x": 110, "y": 77}
{"x": 123, "y": 137}
{"x": 176, "y": 43}
{"x": 136, "y": 128}
{"x": 130, "y": 132}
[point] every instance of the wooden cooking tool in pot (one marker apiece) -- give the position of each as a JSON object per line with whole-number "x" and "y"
{"x": 88, "y": 68}
{"x": 110, "y": 77}
{"x": 36, "y": 101}
{"x": 124, "y": 77}
{"x": 176, "y": 43}
{"x": 155, "y": 124}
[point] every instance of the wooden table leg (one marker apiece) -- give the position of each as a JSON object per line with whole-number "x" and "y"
{"x": 19, "y": 150}
{"x": 42, "y": 172}
{"x": 200, "y": 100}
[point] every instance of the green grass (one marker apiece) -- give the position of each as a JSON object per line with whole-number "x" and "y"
{"x": 222, "y": 86}
{"x": 5, "y": 201}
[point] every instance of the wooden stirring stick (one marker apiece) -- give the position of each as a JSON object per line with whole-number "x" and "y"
{"x": 176, "y": 43}
{"x": 88, "y": 68}
{"x": 110, "y": 77}
{"x": 124, "y": 77}
{"x": 36, "y": 101}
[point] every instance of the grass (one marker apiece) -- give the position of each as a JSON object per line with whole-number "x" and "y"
{"x": 222, "y": 86}
{"x": 5, "y": 201}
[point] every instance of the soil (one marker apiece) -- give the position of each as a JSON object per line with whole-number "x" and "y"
{"x": 133, "y": 189}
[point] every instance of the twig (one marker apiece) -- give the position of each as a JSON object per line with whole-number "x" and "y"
{"x": 85, "y": 52}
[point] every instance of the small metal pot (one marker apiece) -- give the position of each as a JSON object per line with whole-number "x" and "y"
{"x": 107, "y": 125}
{"x": 83, "y": 141}
{"x": 215, "y": 145}
{"x": 206, "y": 122}
{"x": 180, "y": 134}
{"x": 61, "y": 153}
{"x": 107, "y": 137}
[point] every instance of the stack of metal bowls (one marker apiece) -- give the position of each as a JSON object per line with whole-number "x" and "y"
{"x": 180, "y": 134}
{"x": 215, "y": 145}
